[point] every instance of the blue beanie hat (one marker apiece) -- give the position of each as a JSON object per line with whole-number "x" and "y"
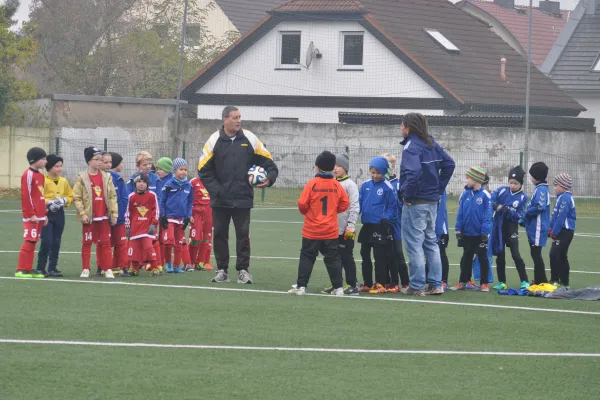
{"x": 380, "y": 164}
{"x": 178, "y": 163}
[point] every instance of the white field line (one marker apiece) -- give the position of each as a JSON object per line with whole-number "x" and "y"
{"x": 296, "y": 259}
{"x": 261, "y": 291}
{"x": 295, "y": 349}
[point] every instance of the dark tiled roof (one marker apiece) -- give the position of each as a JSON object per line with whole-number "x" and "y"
{"x": 244, "y": 14}
{"x": 312, "y": 6}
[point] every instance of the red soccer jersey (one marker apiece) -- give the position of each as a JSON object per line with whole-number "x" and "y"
{"x": 99, "y": 210}
{"x": 32, "y": 195}
{"x": 142, "y": 211}
{"x": 201, "y": 196}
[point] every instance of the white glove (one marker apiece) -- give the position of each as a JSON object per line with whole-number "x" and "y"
{"x": 61, "y": 201}
{"x": 52, "y": 206}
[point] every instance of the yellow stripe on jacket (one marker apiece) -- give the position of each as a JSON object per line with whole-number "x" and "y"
{"x": 53, "y": 190}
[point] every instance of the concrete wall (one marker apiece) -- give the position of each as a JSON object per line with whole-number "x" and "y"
{"x": 14, "y": 144}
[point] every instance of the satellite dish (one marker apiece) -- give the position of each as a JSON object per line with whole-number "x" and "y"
{"x": 311, "y": 52}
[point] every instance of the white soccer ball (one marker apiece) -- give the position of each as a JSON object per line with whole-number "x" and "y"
{"x": 256, "y": 175}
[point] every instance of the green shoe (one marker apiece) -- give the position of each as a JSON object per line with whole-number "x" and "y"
{"x": 525, "y": 285}
{"x": 500, "y": 286}
{"x": 23, "y": 274}
{"x": 327, "y": 290}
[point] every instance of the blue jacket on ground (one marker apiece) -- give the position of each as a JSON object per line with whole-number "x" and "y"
{"x": 160, "y": 182}
{"x": 425, "y": 170}
{"x": 122, "y": 195}
{"x": 397, "y": 223}
{"x": 176, "y": 200}
{"x": 441, "y": 221}
{"x": 474, "y": 217}
{"x": 377, "y": 201}
{"x": 152, "y": 187}
{"x": 515, "y": 202}
{"x": 536, "y": 219}
{"x": 564, "y": 215}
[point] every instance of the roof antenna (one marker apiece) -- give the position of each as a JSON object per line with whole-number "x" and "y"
{"x": 503, "y": 68}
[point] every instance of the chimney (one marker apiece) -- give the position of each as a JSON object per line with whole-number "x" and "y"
{"x": 510, "y": 4}
{"x": 503, "y": 68}
{"x": 550, "y": 7}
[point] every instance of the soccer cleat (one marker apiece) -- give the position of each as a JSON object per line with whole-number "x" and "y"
{"x": 85, "y": 273}
{"x": 23, "y": 274}
{"x": 351, "y": 290}
{"x": 412, "y": 292}
{"x": 178, "y": 270}
{"x": 108, "y": 274}
{"x": 116, "y": 270}
{"x": 393, "y": 289}
{"x": 434, "y": 291}
{"x": 444, "y": 286}
{"x": 199, "y": 267}
{"x": 555, "y": 283}
{"x": 169, "y": 268}
{"x": 124, "y": 273}
{"x": 155, "y": 273}
{"x": 189, "y": 268}
{"x": 471, "y": 286}
{"x": 298, "y": 291}
{"x": 327, "y": 290}
{"x": 208, "y": 267}
{"x": 39, "y": 274}
{"x": 161, "y": 269}
{"x": 339, "y": 292}
{"x": 134, "y": 272}
{"x": 364, "y": 288}
{"x": 99, "y": 271}
{"x": 54, "y": 273}
{"x": 502, "y": 286}
{"x": 221, "y": 276}
{"x": 244, "y": 277}
{"x": 377, "y": 289}
{"x": 484, "y": 288}
{"x": 458, "y": 286}
{"x": 147, "y": 267}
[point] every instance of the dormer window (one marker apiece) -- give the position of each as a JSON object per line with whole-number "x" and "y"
{"x": 442, "y": 40}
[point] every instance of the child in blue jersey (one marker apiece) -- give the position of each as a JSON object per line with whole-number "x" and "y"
{"x": 536, "y": 219}
{"x": 176, "y": 201}
{"x": 378, "y": 208}
{"x": 476, "y": 264}
{"x": 118, "y": 234}
{"x": 509, "y": 204}
{"x": 164, "y": 171}
{"x": 441, "y": 231}
{"x": 562, "y": 230}
{"x": 396, "y": 252}
{"x": 473, "y": 226}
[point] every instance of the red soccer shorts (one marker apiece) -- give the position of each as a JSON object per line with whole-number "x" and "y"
{"x": 173, "y": 234}
{"x": 118, "y": 235}
{"x": 203, "y": 225}
{"x": 141, "y": 250}
{"x": 32, "y": 230}
{"x": 97, "y": 232}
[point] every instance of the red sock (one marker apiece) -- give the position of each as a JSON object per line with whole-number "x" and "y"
{"x": 26, "y": 256}
{"x": 205, "y": 250}
{"x": 86, "y": 255}
{"x": 104, "y": 254}
{"x": 159, "y": 254}
{"x": 194, "y": 252}
{"x": 168, "y": 250}
{"x": 185, "y": 254}
{"x": 177, "y": 258}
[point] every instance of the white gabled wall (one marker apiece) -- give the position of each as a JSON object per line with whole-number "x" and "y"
{"x": 254, "y": 72}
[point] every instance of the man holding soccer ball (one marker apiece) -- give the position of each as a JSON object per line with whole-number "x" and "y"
{"x": 223, "y": 168}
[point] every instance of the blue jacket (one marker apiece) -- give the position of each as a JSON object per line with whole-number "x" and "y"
{"x": 397, "y": 223}
{"x": 176, "y": 201}
{"x": 377, "y": 201}
{"x": 425, "y": 170}
{"x": 536, "y": 219}
{"x": 441, "y": 221}
{"x": 515, "y": 202}
{"x": 152, "y": 187}
{"x": 160, "y": 182}
{"x": 474, "y": 217}
{"x": 564, "y": 215}
{"x": 122, "y": 195}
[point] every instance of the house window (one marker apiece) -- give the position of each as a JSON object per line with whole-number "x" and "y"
{"x": 352, "y": 50}
{"x": 442, "y": 40}
{"x": 192, "y": 35}
{"x": 596, "y": 67}
{"x": 289, "y": 49}
{"x": 162, "y": 31}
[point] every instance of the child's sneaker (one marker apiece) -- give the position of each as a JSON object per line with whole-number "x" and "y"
{"x": 54, "y": 273}
{"x": 85, "y": 273}
{"x": 364, "y": 288}
{"x": 524, "y": 285}
{"x": 108, "y": 274}
{"x": 484, "y": 288}
{"x": 377, "y": 289}
{"x": 471, "y": 286}
{"x": 208, "y": 267}
{"x": 134, "y": 272}
{"x": 155, "y": 273}
{"x": 169, "y": 268}
{"x": 124, "y": 273}
{"x": 458, "y": 286}
{"x": 178, "y": 270}
{"x": 327, "y": 290}
{"x": 39, "y": 274}
{"x": 339, "y": 292}
{"x": 221, "y": 276}
{"x": 502, "y": 286}
{"x": 200, "y": 267}
{"x": 189, "y": 268}
{"x": 393, "y": 289}
{"x": 116, "y": 270}
{"x": 351, "y": 290}
{"x": 298, "y": 291}
{"x": 23, "y": 274}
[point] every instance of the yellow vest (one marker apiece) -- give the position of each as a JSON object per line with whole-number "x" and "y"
{"x": 54, "y": 190}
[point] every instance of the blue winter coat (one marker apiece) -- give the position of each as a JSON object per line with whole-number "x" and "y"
{"x": 474, "y": 217}
{"x": 122, "y": 195}
{"x": 536, "y": 218}
{"x": 160, "y": 182}
{"x": 425, "y": 170}
{"x": 377, "y": 201}
{"x": 176, "y": 200}
{"x": 441, "y": 222}
{"x": 515, "y": 202}
{"x": 564, "y": 215}
{"x": 397, "y": 223}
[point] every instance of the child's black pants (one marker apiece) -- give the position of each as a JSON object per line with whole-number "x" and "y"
{"x": 308, "y": 255}
{"x": 559, "y": 260}
{"x": 473, "y": 245}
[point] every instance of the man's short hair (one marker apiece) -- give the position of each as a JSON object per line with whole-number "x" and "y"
{"x": 227, "y": 110}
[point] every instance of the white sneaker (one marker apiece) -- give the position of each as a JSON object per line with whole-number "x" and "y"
{"x": 338, "y": 292}
{"x": 298, "y": 291}
{"x": 244, "y": 277}
{"x": 85, "y": 273}
{"x": 109, "y": 274}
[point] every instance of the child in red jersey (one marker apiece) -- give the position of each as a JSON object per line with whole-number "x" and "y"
{"x": 33, "y": 205}
{"x": 142, "y": 220}
{"x": 95, "y": 198}
{"x": 201, "y": 230}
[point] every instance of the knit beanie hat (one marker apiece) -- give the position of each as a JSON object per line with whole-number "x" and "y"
{"x": 563, "y": 180}
{"x": 165, "y": 163}
{"x": 343, "y": 161}
{"x": 381, "y": 164}
{"x": 178, "y": 163}
{"x": 90, "y": 152}
{"x": 35, "y": 154}
{"x": 52, "y": 159}
{"x": 141, "y": 176}
{"x": 517, "y": 174}
{"x": 117, "y": 159}
{"x": 477, "y": 174}
{"x": 539, "y": 171}
{"x": 325, "y": 161}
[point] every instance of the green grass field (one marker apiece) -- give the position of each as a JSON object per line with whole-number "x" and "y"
{"x": 260, "y": 343}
